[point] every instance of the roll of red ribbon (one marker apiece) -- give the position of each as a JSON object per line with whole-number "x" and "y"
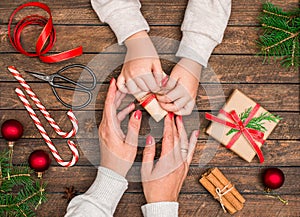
{"x": 46, "y": 38}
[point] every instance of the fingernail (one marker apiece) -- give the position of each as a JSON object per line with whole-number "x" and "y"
{"x": 171, "y": 115}
{"x": 111, "y": 80}
{"x": 164, "y": 81}
{"x": 138, "y": 114}
{"x": 149, "y": 140}
{"x": 197, "y": 133}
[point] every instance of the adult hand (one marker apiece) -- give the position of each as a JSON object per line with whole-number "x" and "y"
{"x": 180, "y": 91}
{"x": 118, "y": 151}
{"x": 141, "y": 70}
{"x": 162, "y": 182}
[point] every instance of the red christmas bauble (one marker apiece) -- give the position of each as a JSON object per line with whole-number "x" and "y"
{"x": 12, "y": 130}
{"x": 39, "y": 161}
{"x": 273, "y": 178}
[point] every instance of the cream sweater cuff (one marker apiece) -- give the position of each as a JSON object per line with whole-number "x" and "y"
{"x": 125, "y": 23}
{"x": 161, "y": 209}
{"x": 196, "y": 46}
{"x": 108, "y": 186}
{"x": 123, "y": 17}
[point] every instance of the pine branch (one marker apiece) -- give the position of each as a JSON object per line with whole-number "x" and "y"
{"x": 256, "y": 123}
{"x": 281, "y": 35}
{"x": 30, "y": 195}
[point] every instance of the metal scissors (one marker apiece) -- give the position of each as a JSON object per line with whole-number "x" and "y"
{"x": 75, "y": 85}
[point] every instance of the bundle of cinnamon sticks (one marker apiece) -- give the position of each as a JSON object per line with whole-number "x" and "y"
{"x": 222, "y": 190}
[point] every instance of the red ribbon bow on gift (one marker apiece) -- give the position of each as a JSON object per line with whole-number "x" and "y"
{"x": 249, "y": 133}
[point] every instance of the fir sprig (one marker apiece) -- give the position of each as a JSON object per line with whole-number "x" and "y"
{"x": 30, "y": 194}
{"x": 281, "y": 35}
{"x": 256, "y": 123}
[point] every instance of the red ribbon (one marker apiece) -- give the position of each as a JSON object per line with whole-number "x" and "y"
{"x": 147, "y": 99}
{"x": 249, "y": 134}
{"x": 46, "y": 38}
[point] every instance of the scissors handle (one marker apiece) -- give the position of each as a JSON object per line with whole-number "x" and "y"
{"x": 73, "y": 106}
{"x": 58, "y": 75}
{"x": 77, "y": 86}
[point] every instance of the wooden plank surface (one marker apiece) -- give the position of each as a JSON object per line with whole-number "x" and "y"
{"x": 237, "y": 40}
{"x": 247, "y": 180}
{"x": 156, "y": 12}
{"x": 191, "y": 205}
{"x": 223, "y": 68}
{"x": 208, "y": 152}
{"x": 288, "y": 128}
{"x": 234, "y": 64}
{"x": 210, "y": 96}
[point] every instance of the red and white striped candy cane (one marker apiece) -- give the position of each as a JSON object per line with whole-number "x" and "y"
{"x": 42, "y": 108}
{"x": 44, "y": 134}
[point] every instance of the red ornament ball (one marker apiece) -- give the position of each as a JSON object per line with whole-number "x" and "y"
{"x": 273, "y": 178}
{"x": 39, "y": 161}
{"x": 12, "y": 130}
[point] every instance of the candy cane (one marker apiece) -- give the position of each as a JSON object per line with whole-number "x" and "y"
{"x": 38, "y": 103}
{"x": 44, "y": 134}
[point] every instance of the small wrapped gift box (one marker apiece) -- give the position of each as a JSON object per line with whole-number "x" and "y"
{"x": 222, "y": 190}
{"x": 242, "y": 126}
{"x": 149, "y": 102}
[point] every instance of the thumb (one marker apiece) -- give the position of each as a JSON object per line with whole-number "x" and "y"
{"x": 148, "y": 158}
{"x": 134, "y": 125}
{"x": 158, "y": 72}
{"x": 121, "y": 84}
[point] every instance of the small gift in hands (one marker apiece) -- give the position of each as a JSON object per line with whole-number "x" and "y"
{"x": 242, "y": 126}
{"x": 222, "y": 190}
{"x": 149, "y": 102}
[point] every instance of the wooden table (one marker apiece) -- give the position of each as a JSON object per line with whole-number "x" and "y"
{"x": 235, "y": 65}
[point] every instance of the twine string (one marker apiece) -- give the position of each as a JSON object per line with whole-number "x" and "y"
{"x": 221, "y": 193}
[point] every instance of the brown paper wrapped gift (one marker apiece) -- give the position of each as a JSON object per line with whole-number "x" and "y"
{"x": 222, "y": 190}
{"x": 151, "y": 105}
{"x": 239, "y": 103}
{"x": 149, "y": 102}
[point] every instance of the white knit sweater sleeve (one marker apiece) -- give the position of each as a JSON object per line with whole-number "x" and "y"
{"x": 102, "y": 198}
{"x": 123, "y": 16}
{"x": 203, "y": 28}
{"x": 161, "y": 209}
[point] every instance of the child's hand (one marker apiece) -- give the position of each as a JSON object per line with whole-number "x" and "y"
{"x": 180, "y": 91}
{"x": 142, "y": 69}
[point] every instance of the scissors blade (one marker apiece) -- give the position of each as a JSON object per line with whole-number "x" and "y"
{"x": 39, "y": 76}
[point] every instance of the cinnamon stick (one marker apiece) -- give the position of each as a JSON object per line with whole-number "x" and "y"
{"x": 212, "y": 190}
{"x": 224, "y": 181}
{"x": 229, "y": 196}
{"x": 221, "y": 189}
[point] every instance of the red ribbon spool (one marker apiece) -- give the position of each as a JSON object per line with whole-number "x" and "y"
{"x": 48, "y": 34}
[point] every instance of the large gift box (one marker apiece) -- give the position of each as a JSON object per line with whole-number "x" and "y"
{"x": 242, "y": 125}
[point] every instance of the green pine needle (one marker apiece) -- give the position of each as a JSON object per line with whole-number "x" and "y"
{"x": 281, "y": 35}
{"x": 256, "y": 123}
{"x": 20, "y": 193}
